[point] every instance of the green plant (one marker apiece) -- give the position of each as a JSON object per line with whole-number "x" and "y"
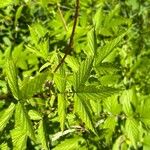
{"x": 72, "y": 75}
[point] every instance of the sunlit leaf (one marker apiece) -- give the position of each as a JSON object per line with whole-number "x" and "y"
{"x": 132, "y": 130}
{"x": 82, "y": 109}
{"x": 103, "y": 52}
{"x": 12, "y": 78}
{"x": 83, "y": 73}
{"x": 6, "y": 115}
{"x": 42, "y": 135}
{"x": 33, "y": 85}
{"x": 19, "y": 139}
{"x": 23, "y": 122}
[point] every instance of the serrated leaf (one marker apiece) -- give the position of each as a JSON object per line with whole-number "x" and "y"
{"x": 126, "y": 103}
{"x": 143, "y": 110}
{"x": 112, "y": 105}
{"x": 62, "y": 110}
{"x": 23, "y": 122}
{"x": 106, "y": 68}
{"x": 69, "y": 144}
{"x": 82, "y": 109}
{"x": 91, "y": 43}
{"x": 83, "y": 73}
{"x": 72, "y": 62}
{"x": 6, "y": 115}
{"x": 109, "y": 125}
{"x": 34, "y": 115}
{"x": 99, "y": 18}
{"x": 4, "y": 146}
{"x": 60, "y": 81}
{"x": 37, "y": 31}
{"x": 103, "y": 52}
{"x": 33, "y": 85}
{"x": 42, "y": 135}
{"x": 11, "y": 74}
{"x": 96, "y": 93}
{"x": 132, "y": 131}
{"x": 19, "y": 139}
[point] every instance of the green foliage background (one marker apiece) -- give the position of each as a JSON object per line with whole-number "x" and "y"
{"x": 99, "y": 98}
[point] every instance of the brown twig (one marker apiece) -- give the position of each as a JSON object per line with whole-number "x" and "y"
{"x": 69, "y": 46}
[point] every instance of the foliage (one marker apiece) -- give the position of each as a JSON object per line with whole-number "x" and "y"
{"x": 74, "y": 75}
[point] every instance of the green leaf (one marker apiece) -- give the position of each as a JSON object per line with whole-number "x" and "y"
{"x": 60, "y": 81}
{"x": 19, "y": 139}
{"x": 143, "y": 110}
{"x": 106, "y": 68}
{"x": 103, "y": 52}
{"x": 70, "y": 144}
{"x": 132, "y": 131}
{"x": 42, "y": 135}
{"x": 12, "y": 78}
{"x": 23, "y": 122}
{"x": 62, "y": 110}
{"x": 82, "y": 108}
{"x": 5, "y": 3}
{"x": 146, "y": 142}
{"x": 72, "y": 62}
{"x": 91, "y": 43}
{"x": 18, "y": 14}
{"x": 46, "y": 65}
{"x": 33, "y": 85}
{"x": 4, "y": 146}
{"x": 126, "y": 103}
{"x": 96, "y": 93}
{"x": 99, "y": 18}
{"x": 112, "y": 105}
{"x": 6, "y": 115}
{"x": 34, "y": 115}
{"x": 83, "y": 73}
{"x": 120, "y": 143}
{"x": 109, "y": 125}
{"x": 37, "y": 31}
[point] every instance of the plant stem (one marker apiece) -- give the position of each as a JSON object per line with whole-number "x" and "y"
{"x": 69, "y": 46}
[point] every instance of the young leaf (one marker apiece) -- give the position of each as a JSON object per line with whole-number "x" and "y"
{"x": 62, "y": 110}
{"x": 18, "y": 14}
{"x": 23, "y": 122}
{"x": 126, "y": 103}
{"x": 132, "y": 131}
{"x": 33, "y": 85}
{"x": 82, "y": 109}
{"x": 6, "y": 115}
{"x": 96, "y": 93}
{"x": 83, "y": 73}
{"x": 34, "y": 115}
{"x": 42, "y": 135}
{"x": 92, "y": 45}
{"x": 103, "y": 52}
{"x": 60, "y": 81}
{"x": 19, "y": 139}
{"x": 109, "y": 125}
{"x": 70, "y": 144}
{"x": 11, "y": 74}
